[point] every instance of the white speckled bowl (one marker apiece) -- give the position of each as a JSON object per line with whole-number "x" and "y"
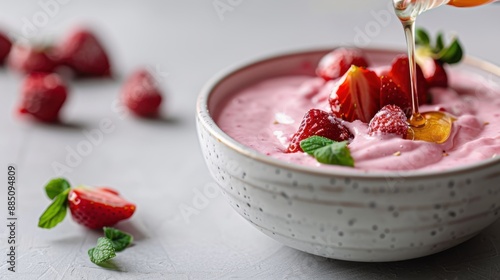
{"x": 374, "y": 217}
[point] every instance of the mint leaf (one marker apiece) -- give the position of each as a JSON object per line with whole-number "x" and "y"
{"x": 102, "y": 252}
{"x": 120, "y": 239}
{"x": 439, "y": 43}
{"x": 56, "y": 186}
{"x": 55, "y": 213}
{"x": 328, "y": 151}
{"x": 421, "y": 37}
{"x": 313, "y": 143}
{"x": 452, "y": 54}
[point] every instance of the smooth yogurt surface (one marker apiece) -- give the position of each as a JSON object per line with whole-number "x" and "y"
{"x": 264, "y": 117}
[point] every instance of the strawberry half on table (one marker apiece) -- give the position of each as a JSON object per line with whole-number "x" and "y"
{"x": 90, "y": 207}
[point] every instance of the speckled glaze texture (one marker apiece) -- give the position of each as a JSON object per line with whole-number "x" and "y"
{"x": 348, "y": 215}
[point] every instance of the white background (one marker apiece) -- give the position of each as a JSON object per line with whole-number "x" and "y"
{"x": 158, "y": 164}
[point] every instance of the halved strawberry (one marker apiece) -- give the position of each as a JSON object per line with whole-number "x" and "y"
{"x": 389, "y": 120}
{"x": 96, "y": 208}
{"x": 336, "y": 63}
{"x": 320, "y": 123}
{"x": 357, "y": 96}
{"x": 400, "y": 73}
{"x": 90, "y": 207}
{"x": 391, "y": 93}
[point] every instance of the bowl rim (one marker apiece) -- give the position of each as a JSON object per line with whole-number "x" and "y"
{"x": 205, "y": 119}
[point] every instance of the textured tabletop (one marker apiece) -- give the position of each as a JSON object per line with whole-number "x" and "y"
{"x": 180, "y": 230}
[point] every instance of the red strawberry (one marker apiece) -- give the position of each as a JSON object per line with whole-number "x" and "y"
{"x": 320, "y": 123}
{"x": 42, "y": 96}
{"x": 336, "y": 63}
{"x": 27, "y": 59}
{"x": 141, "y": 94}
{"x": 93, "y": 208}
{"x": 357, "y": 96}
{"x": 83, "y": 52}
{"x": 391, "y": 93}
{"x": 5, "y": 46}
{"x": 389, "y": 120}
{"x": 97, "y": 208}
{"x": 436, "y": 74}
{"x": 400, "y": 73}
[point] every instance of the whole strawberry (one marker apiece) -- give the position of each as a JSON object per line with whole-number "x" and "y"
{"x": 357, "y": 96}
{"x": 30, "y": 59}
{"x": 42, "y": 96}
{"x": 318, "y": 123}
{"x": 391, "y": 93}
{"x": 83, "y": 53}
{"x": 90, "y": 207}
{"x": 400, "y": 74}
{"x": 389, "y": 120}
{"x": 5, "y": 46}
{"x": 336, "y": 63}
{"x": 141, "y": 94}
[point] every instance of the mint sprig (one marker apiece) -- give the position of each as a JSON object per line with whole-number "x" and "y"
{"x": 104, "y": 251}
{"x": 327, "y": 151}
{"x": 56, "y": 189}
{"x": 451, "y": 54}
{"x": 120, "y": 239}
{"x": 56, "y": 186}
{"x": 106, "y": 248}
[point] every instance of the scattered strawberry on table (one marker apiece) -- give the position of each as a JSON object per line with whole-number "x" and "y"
{"x": 382, "y": 102}
{"x": 84, "y": 53}
{"x": 5, "y": 46}
{"x": 42, "y": 96}
{"x": 90, "y": 207}
{"x": 30, "y": 59}
{"x": 141, "y": 94}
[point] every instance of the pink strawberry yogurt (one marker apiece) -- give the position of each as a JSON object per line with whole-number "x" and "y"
{"x": 265, "y": 116}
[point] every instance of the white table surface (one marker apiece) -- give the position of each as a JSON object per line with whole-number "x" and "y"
{"x": 158, "y": 164}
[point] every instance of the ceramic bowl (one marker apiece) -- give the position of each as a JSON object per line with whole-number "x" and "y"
{"x": 348, "y": 215}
